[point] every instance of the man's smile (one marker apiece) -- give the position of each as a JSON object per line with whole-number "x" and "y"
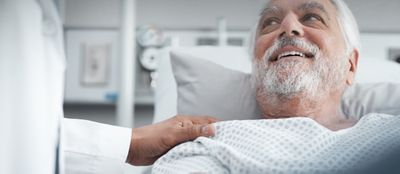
{"x": 290, "y": 52}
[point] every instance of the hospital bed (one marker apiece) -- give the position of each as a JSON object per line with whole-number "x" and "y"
{"x": 377, "y": 81}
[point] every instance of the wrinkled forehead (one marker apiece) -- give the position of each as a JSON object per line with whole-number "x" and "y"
{"x": 280, "y": 6}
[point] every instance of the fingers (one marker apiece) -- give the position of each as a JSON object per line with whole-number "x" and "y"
{"x": 191, "y": 127}
{"x": 159, "y": 138}
{"x": 207, "y": 119}
{"x": 199, "y": 119}
{"x": 197, "y": 130}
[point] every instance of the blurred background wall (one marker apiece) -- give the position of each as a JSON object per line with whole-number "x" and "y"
{"x": 83, "y": 16}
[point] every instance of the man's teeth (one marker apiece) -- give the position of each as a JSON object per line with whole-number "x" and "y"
{"x": 291, "y": 53}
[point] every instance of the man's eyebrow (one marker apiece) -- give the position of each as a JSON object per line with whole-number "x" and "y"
{"x": 269, "y": 9}
{"x": 313, "y": 5}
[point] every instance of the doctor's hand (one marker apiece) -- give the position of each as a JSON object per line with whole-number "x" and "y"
{"x": 150, "y": 142}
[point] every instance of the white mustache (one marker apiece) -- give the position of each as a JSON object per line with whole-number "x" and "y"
{"x": 291, "y": 41}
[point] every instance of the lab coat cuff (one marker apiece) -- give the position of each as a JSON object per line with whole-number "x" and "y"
{"x": 96, "y": 141}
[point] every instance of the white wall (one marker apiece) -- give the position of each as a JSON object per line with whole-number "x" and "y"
{"x": 375, "y": 15}
{"x": 92, "y": 13}
{"x": 372, "y": 15}
{"x": 192, "y": 14}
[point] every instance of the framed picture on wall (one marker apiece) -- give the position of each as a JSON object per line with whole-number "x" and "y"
{"x": 95, "y": 63}
{"x": 92, "y": 65}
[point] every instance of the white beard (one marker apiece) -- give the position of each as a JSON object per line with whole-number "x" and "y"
{"x": 291, "y": 78}
{"x": 292, "y": 82}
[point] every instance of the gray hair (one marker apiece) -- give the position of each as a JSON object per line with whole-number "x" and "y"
{"x": 348, "y": 25}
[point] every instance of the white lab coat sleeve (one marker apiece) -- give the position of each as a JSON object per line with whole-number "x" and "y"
{"x": 31, "y": 87}
{"x": 91, "y": 147}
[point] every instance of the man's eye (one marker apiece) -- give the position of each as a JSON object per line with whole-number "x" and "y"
{"x": 312, "y": 17}
{"x": 271, "y": 22}
{"x": 270, "y": 25}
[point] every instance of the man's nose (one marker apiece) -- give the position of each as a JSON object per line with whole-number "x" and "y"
{"x": 291, "y": 26}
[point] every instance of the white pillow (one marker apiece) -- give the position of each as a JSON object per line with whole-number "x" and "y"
{"x": 377, "y": 70}
{"x": 166, "y": 89}
{"x": 189, "y": 65}
{"x": 205, "y": 88}
{"x": 364, "y": 98}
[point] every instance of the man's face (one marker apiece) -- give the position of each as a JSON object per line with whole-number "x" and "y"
{"x": 300, "y": 47}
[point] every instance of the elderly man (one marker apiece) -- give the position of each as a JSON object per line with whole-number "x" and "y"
{"x": 305, "y": 56}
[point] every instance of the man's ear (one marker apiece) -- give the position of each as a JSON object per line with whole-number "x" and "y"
{"x": 353, "y": 61}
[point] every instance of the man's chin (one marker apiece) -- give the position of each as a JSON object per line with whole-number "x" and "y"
{"x": 283, "y": 70}
{"x": 288, "y": 93}
{"x": 283, "y": 89}
{"x": 284, "y": 76}
{"x": 290, "y": 85}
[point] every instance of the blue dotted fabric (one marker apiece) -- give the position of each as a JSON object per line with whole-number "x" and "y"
{"x": 292, "y": 145}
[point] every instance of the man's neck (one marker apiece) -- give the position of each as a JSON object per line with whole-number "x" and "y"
{"x": 324, "y": 110}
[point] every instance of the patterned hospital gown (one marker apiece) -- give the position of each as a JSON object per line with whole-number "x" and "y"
{"x": 292, "y": 145}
